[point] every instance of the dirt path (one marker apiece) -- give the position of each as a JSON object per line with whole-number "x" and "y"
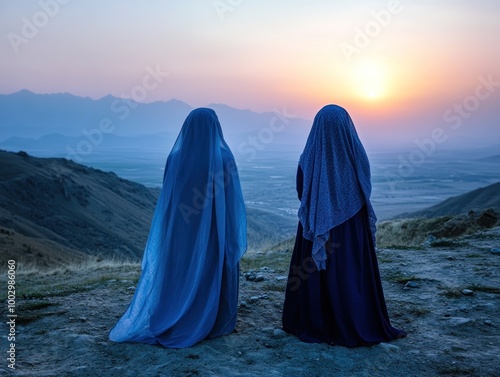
{"x": 450, "y": 331}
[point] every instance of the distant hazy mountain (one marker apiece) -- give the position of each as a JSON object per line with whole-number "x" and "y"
{"x": 57, "y": 144}
{"x": 480, "y": 199}
{"x": 491, "y": 159}
{"x": 28, "y": 115}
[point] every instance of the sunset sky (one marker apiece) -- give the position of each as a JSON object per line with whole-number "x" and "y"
{"x": 401, "y": 68}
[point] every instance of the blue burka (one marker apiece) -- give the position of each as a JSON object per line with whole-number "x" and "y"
{"x": 336, "y": 179}
{"x": 188, "y": 290}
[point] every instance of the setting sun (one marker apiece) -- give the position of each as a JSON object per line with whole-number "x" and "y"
{"x": 370, "y": 80}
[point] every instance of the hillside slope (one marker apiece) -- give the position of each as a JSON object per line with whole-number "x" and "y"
{"x": 54, "y": 209}
{"x": 480, "y": 199}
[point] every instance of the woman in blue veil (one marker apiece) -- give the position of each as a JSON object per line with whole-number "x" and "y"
{"x": 334, "y": 293}
{"x": 188, "y": 289}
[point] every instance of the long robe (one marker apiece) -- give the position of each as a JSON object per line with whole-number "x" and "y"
{"x": 334, "y": 293}
{"x": 188, "y": 289}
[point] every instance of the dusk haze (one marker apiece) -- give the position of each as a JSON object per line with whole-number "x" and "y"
{"x": 402, "y": 68}
{"x": 250, "y": 188}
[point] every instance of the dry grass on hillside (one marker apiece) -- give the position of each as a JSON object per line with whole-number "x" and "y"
{"x": 407, "y": 232}
{"x": 414, "y": 232}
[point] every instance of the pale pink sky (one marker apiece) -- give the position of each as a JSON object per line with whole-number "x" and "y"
{"x": 399, "y": 67}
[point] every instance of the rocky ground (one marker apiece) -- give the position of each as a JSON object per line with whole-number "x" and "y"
{"x": 446, "y": 295}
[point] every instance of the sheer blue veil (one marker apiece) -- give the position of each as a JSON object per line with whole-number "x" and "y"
{"x": 189, "y": 283}
{"x": 336, "y": 178}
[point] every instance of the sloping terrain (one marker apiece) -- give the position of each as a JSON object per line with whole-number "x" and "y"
{"x": 480, "y": 199}
{"x": 52, "y": 206}
{"x": 55, "y": 211}
{"x": 446, "y": 298}
{"x": 415, "y": 231}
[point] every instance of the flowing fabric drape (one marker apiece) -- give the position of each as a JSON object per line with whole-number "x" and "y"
{"x": 188, "y": 289}
{"x": 336, "y": 178}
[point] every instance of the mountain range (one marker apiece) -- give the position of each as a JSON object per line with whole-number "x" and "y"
{"x": 55, "y": 122}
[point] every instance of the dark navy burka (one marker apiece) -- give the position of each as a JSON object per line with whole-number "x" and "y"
{"x": 341, "y": 302}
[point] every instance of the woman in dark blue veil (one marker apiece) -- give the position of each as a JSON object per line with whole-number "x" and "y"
{"x": 334, "y": 293}
{"x": 188, "y": 290}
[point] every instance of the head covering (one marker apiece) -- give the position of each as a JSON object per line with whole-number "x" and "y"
{"x": 201, "y": 179}
{"x": 189, "y": 283}
{"x": 336, "y": 182}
